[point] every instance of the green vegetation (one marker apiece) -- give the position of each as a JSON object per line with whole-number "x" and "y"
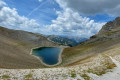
{"x": 111, "y": 32}
{"x": 5, "y": 76}
{"x": 29, "y": 76}
{"x": 101, "y": 69}
{"x": 85, "y": 76}
{"x": 78, "y": 50}
{"x": 100, "y": 72}
{"x": 73, "y": 74}
{"x": 111, "y": 66}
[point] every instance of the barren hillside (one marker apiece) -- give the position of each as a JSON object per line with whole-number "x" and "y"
{"x": 15, "y": 48}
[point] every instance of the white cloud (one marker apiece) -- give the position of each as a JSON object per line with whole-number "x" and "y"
{"x": 2, "y": 3}
{"x": 69, "y": 22}
{"x": 92, "y": 7}
{"x": 11, "y": 19}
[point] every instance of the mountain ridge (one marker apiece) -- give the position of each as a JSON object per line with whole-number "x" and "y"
{"x": 62, "y": 40}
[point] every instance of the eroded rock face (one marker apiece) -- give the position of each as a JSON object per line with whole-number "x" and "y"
{"x": 117, "y": 22}
{"x": 111, "y": 26}
{"x": 107, "y": 27}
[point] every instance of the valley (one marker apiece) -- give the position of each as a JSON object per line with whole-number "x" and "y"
{"x": 92, "y": 59}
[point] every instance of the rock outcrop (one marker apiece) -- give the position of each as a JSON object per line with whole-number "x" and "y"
{"x": 111, "y": 26}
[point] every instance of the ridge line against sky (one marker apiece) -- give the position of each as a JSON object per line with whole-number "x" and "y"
{"x": 82, "y": 18}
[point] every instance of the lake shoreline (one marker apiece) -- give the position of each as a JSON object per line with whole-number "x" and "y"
{"x": 59, "y": 58}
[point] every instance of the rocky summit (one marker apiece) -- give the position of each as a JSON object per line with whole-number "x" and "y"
{"x": 111, "y": 30}
{"x": 111, "y": 26}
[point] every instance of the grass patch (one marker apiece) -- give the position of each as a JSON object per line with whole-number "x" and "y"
{"x": 5, "y": 76}
{"x": 97, "y": 71}
{"x": 111, "y": 32}
{"x": 111, "y": 66}
{"x": 28, "y": 77}
{"x": 73, "y": 74}
{"x": 80, "y": 50}
{"x": 101, "y": 70}
{"x": 85, "y": 76}
{"x": 75, "y": 50}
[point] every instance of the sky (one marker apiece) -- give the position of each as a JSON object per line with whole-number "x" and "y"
{"x": 82, "y": 18}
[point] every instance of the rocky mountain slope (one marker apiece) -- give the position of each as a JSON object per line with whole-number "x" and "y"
{"x": 15, "y": 48}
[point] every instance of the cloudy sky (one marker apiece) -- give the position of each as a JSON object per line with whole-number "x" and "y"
{"x": 81, "y": 18}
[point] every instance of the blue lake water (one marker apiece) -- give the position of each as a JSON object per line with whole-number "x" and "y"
{"x": 49, "y": 55}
